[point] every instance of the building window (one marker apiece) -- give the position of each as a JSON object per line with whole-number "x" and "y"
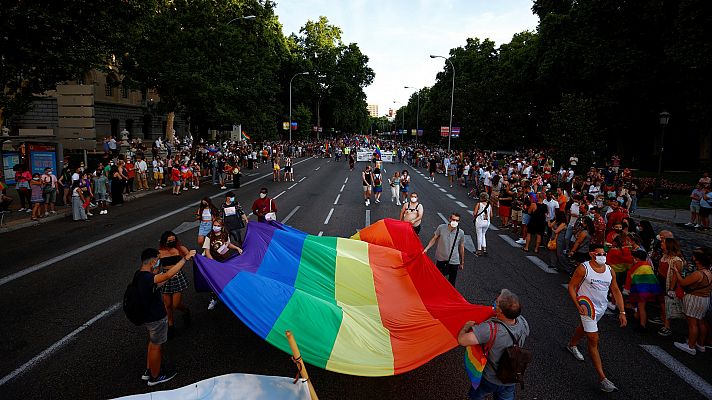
{"x": 109, "y": 89}
{"x": 124, "y": 92}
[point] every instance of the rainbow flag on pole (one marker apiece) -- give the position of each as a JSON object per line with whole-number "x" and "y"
{"x": 371, "y": 305}
{"x": 246, "y": 136}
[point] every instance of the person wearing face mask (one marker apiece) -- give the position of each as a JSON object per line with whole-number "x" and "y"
{"x": 404, "y": 185}
{"x": 483, "y": 215}
{"x": 171, "y": 251}
{"x": 264, "y": 208}
{"x": 49, "y": 191}
{"x": 588, "y": 289}
{"x": 218, "y": 247}
{"x": 205, "y": 213}
{"x": 148, "y": 279}
{"x": 36, "y": 197}
{"x": 450, "y": 250}
{"x": 412, "y": 212}
{"x": 234, "y": 218}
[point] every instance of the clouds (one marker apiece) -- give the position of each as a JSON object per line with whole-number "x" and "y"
{"x": 398, "y": 36}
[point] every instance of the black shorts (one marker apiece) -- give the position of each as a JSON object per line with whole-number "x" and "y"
{"x": 705, "y": 212}
{"x": 417, "y": 229}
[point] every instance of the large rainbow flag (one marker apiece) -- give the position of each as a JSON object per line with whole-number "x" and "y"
{"x": 371, "y": 305}
{"x": 642, "y": 283}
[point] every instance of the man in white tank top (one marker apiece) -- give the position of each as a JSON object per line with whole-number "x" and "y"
{"x": 588, "y": 289}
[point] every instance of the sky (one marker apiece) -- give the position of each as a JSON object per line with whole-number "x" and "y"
{"x": 399, "y": 35}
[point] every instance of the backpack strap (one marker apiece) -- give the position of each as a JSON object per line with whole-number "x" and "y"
{"x": 511, "y": 335}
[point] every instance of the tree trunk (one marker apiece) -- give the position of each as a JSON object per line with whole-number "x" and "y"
{"x": 169, "y": 127}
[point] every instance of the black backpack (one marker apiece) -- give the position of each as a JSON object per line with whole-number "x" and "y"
{"x": 514, "y": 360}
{"x": 133, "y": 307}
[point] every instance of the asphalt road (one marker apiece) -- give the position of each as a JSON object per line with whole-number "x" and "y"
{"x": 77, "y": 296}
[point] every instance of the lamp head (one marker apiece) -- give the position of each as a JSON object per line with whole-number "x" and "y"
{"x": 432, "y": 56}
{"x": 249, "y": 17}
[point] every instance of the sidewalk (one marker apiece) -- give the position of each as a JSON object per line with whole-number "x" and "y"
{"x": 676, "y": 218}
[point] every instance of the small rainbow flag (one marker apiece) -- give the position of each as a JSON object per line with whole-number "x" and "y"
{"x": 588, "y": 304}
{"x": 246, "y": 136}
{"x": 642, "y": 283}
{"x": 475, "y": 361}
{"x": 378, "y": 150}
{"x": 371, "y": 305}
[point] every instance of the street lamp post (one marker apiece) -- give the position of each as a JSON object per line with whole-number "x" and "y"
{"x": 664, "y": 120}
{"x": 417, "y": 113}
{"x": 402, "y": 119}
{"x": 290, "y": 102}
{"x": 452, "y": 98}
{"x": 239, "y": 18}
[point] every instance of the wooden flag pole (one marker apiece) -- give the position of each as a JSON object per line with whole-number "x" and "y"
{"x": 297, "y": 358}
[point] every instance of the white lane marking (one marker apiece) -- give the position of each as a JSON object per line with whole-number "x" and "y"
{"x": 321, "y": 233}
{"x": 442, "y": 217}
{"x": 283, "y": 192}
{"x": 510, "y": 241}
{"x": 317, "y": 168}
{"x": 337, "y": 198}
{"x": 680, "y": 370}
{"x": 303, "y": 178}
{"x": 471, "y": 212}
{"x": 541, "y": 264}
{"x": 461, "y": 204}
{"x": 291, "y": 213}
{"x": 185, "y": 227}
{"x": 57, "y": 345}
{"x": 346, "y": 180}
{"x": 469, "y": 244}
{"x": 293, "y": 185}
{"x": 449, "y": 196}
{"x": 493, "y": 228}
{"x": 436, "y": 185}
{"x": 342, "y": 188}
{"x": 368, "y": 217}
{"x": 126, "y": 231}
{"x": 328, "y": 217}
{"x": 443, "y": 190}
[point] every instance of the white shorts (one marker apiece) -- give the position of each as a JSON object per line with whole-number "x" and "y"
{"x": 590, "y": 325}
{"x": 366, "y": 188}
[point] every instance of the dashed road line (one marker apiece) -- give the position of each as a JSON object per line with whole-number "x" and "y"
{"x": 449, "y": 196}
{"x": 461, "y": 204}
{"x": 293, "y": 185}
{"x": 510, "y": 241}
{"x": 303, "y": 178}
{"x": 346, "y": 180}
{"x": 57, "y": 345}
{"x": 541, "y": 264}
{"x": 317, "y": 168}
{"x": 283, "y": 192}
{"x": 368, "y": 217}
{"x": 436, "y": 185}
{"x": 321, "y": 233}
{"x": 291, "y": 213}
{"x": 471, "y": 212}
{"x": 342, "y": 188}
{"x": 443, "y": 190}
{"x": 328, "y": 217}
{"x": 493, "y": 228}
{"x": 680, "y": 370}
{"x": 337, "y": 198}
{"x": 442, "y": 217}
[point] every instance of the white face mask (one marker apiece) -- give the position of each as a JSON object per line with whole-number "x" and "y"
{"x": 217, "y": 228}
{"x": 601, "y": 260}
{"x": 454, "y": 223}
{"x": 263, "y": 195}
{"x": 413, "y": 199}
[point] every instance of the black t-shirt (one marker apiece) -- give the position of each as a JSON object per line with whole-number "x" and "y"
{"x": 232, "y": 215}
{"x": 150, "y": 297}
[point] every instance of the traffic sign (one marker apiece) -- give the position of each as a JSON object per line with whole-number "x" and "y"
{"x": 420, "y": 132}
{"x": 285, "y": 126}
{"x": 294, "y": 125}
{"x": 413, "y": 132}
{"x": 455, "y": 131}
{"x": 444, "y": 131}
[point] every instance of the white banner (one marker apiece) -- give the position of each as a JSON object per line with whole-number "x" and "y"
{"x": 232, "y": 386}
{"x": 363, "y": 156}
{"x": 387, "y": 156}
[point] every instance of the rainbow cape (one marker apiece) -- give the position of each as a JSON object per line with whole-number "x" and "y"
{"x": 371, "y": 305}
{"x": 642, "y": 283}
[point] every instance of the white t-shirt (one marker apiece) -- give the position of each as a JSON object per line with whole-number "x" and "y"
{"x": 574, "y": 214}
{"x": 488, "y": 178}
{"x": 551, "y": 206}
{"x": 142, "y": 166}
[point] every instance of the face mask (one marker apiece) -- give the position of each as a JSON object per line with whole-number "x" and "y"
{"x": 35, "y": 179}
{"x": 263, "y": 195}
{"x": 413, "y": 199}
{"x": 601, "y": 260}
{"x": 172, "y": 243}
{"x": 217, "y": 229}
{"x": 232, "y": 199}
{"x": 454, "y": 223}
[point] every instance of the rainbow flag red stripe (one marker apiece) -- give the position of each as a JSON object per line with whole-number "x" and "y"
{"x": 372, "y": 305}
{"x": 644, "y": 285}
{"x": 588, "y": 304}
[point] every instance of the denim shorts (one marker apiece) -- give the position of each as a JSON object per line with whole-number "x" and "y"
{"x": 205, "y": 227}
{"x": 525, "y": 218}
{"x": 157, "y": 331}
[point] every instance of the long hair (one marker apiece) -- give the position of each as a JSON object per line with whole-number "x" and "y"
{"x": 224, "y": 233}
{"x": 164, "y": 238}
{"x": 210, "y": 205}
{"x": 672, "y": 247}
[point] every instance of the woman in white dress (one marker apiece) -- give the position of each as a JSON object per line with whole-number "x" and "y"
{"x": 483, "y": 215}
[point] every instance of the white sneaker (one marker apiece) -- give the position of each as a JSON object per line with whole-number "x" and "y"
{"x": 21, "y": 210}
{"x": 223, "y": 187}
{"x": 90, "y": 214}
{"x": 689, "y": 224}
{"x": 698, "y": 226}
{"x": 608, "y": 386}
{"x": 46, "y": 214}
{"x": 212, "y": 304}
{"x": 196, "y": 187}
{"x": 378, "y": 201}
{"x": 185, "y": 188}
{"x": 684, "y": 347}
{"x": 699, "y": 348}
{"x": 106, "y": 212}
{"x": 521, "y": 241}
{"x": 575, "y": 352}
